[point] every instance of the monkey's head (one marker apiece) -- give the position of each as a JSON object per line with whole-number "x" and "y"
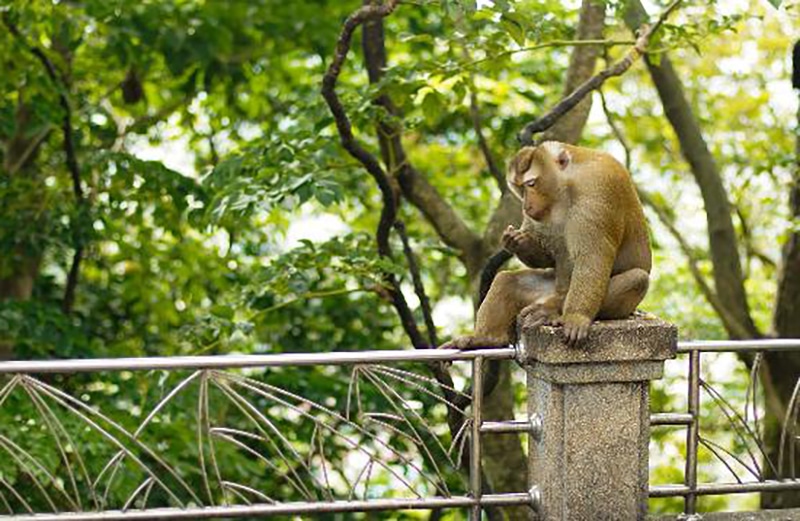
{"x": 533, "y": 176}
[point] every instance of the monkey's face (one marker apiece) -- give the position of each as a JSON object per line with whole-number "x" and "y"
{"x": 533, "y": 177}
{"x": 535, "y": 202}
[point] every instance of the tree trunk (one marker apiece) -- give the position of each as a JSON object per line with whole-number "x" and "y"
{"x": 20, "y": 267}
{"x": 784, "y": 368}
{"x": 582, "y": 64}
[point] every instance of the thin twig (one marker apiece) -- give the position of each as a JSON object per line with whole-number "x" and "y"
{"x": 483, "y": 144}
{"x": 618, "y": 69}
{"x": 693, "y": 260}
{"x": 477, "y": 126}
{"x": 539, "y": 46}
{"x": 615, "y": 130}
{"x": 419, "y": 287}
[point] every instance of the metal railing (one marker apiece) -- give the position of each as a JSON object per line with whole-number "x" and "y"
{"x": 160, "y": 489}
{"x": 67, "y": 494}
{"x": 745, "y": 427}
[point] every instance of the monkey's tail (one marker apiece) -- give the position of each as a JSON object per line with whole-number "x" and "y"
{"x": 490, "y": 270}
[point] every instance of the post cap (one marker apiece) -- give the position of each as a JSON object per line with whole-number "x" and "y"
{"x": 643, "y": 337}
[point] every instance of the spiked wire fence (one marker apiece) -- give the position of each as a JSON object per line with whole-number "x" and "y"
{"x": 756, "y": 470}
{"x": 64, "y": 454}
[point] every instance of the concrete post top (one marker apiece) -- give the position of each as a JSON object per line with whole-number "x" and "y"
{"x": 642, "y": 338}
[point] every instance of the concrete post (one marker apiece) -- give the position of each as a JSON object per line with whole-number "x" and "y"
{"x": 591, "y": 460}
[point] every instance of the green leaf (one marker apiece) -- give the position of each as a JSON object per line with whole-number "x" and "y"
{"x": 432, "y": 106}
{"x": 514, "y": 29}
{"x": 221, "y": 311}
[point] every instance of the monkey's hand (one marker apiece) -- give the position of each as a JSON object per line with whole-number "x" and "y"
{"x": 576, "y": 328}
{"x": 515, "y": 241}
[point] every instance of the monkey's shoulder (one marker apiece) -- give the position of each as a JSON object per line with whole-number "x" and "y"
{"x": 601, "y": 176}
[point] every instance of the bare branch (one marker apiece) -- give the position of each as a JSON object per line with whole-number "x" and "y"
{"x": 343, "y": 125}
{"x": 72, "y": 280}
{"x": 477, "y": 124}
{"x": 747, "y": 239}
{"x": 692, "y": 259}
{"x": 594, "y": 42}
{"x": 615, "y": 130}
{"x": 618, "y": 69}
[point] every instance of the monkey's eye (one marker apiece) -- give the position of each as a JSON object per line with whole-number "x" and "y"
{"x": 530, "y": 183}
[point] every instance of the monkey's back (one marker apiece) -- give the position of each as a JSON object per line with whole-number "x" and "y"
{"x": 607, "y": 187}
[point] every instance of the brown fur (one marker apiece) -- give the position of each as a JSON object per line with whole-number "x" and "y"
{"x": 582, "y": 217}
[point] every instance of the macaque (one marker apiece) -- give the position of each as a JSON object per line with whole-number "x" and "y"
{"x": 583, "y": 223}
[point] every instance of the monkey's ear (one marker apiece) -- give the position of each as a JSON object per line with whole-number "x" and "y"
{"x": 512, "y": 167}
{"x": 512, "y": 176}
{"x": 563, "y": 159}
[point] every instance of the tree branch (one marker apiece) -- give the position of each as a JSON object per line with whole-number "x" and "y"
{"x": 582, "y": 65}
{"x": 365, "y": 14}
{"x": 615, "y": 130}
{"x": 343, "y": 125}
{"x": 596, "y": 42}
{"x": 369, "y": 161}
{"x": 477, "y": 125}
{"x": 747, "y": 238}
{"x": 618, "y": 69}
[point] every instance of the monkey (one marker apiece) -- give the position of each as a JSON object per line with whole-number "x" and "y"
{"x": 584, "y": 239}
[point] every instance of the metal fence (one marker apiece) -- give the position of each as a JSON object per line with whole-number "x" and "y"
{"x": 65, "y": 454}
{"x": 57, "y": 445}
{"x": 757, "y": 470}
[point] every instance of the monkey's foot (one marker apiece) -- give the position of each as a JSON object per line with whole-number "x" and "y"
{"x": 468, "y": 343}
{"x": 537, "y": 315}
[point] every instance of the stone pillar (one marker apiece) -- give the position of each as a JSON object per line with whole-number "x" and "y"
{"x": 591, "y": 460}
